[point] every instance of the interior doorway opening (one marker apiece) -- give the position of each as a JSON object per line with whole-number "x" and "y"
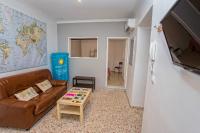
{"x": 117, "y": 62}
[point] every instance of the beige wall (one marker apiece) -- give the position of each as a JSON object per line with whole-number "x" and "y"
{"x": 116, "y": 52}
{"x": 87, "y": 46}
{"x": 83, "y": 48}
{"x": 75, "y": 48}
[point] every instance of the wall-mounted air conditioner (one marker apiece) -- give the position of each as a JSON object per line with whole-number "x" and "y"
{"x": 130, "y": 25}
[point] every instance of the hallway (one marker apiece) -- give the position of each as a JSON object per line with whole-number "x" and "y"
{"x": 116, "y": 79}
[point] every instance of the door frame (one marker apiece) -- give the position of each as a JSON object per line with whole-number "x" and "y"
{"x": 125, "y": 64}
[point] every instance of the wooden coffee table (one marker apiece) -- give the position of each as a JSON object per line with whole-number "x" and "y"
{"x": 73, "y": 102}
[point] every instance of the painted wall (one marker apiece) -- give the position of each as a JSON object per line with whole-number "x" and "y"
{"x": 130, "y": 72}
{"x": 142, "y": 9}
{"x": 141, "y": 66}
{"x": 172, "y": 102}
{"x": 136, "y": 82}
{"x": 51, "y": 29}
{"x": 90, "y": 67}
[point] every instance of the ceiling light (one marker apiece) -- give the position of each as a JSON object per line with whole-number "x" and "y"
{"x": 79, "y": 1}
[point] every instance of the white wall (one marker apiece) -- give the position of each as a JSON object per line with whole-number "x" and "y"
{"x": 51, "y": 29}
{"x": 141, "y": 66}
{"x": 90, "y": 67}
{"x": 142, "y": 9}
{"x": 130, "y": 72}
{"x": 172, "y": 102}
{"x": 137, "y": 73}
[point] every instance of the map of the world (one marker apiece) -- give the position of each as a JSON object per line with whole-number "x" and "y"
{"x": 23, "y": 42}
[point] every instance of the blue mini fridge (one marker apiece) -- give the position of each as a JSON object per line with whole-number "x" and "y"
{"x": 60, "y": 66}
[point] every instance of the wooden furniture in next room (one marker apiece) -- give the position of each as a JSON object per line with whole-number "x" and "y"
{"x": 73, "y": 102}
{"x": 83, "y": 81}
{"x": 119, "y": 67}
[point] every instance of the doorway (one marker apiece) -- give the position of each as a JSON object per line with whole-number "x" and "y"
{"x": 117, "y": 53}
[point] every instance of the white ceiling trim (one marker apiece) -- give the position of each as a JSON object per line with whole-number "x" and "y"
{"x": 93, "y": 21}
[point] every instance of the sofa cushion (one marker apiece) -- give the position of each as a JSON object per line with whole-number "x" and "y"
{"x": 57, "y": 91}
{"x": 43, "y": 102}
{"x": 44, "y": 85}
{"x": 13, "y": 84}
{"x": 27, "y": 94}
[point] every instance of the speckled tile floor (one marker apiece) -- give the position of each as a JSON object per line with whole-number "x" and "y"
{"x": 108, "y": 112}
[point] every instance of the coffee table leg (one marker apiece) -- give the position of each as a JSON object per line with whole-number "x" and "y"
{"x": 58, "y": 112}
{"x": 81, "y": 114}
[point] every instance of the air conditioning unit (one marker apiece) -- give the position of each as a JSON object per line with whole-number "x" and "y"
{"x": 130, "y": 25}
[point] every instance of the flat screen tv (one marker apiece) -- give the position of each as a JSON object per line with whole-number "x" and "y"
{"x": 181, "y": 27}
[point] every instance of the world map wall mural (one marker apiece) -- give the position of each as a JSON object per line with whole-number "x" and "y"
{"x": 23, "y": 41}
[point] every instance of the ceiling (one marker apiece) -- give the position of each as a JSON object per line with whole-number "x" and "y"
{"x": 72, "y": 10}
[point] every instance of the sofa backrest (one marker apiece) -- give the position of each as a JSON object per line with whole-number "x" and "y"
{"x": 12, "y": 84}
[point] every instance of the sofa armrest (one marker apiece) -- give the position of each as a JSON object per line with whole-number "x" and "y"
{"x": 59, "y": 82}
{"x": 15, "y": 104}
{"x": 14, "y": 113}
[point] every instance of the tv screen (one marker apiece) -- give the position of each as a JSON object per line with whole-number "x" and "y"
{"x": 181, "y": 27}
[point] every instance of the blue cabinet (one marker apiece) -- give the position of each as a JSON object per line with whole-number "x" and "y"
{"x": 60, "y": 66}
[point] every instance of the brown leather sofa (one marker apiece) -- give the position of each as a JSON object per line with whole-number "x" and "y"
{"x": 21, "y": 114}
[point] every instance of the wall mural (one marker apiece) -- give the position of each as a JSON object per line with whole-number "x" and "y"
{"x": 23, "y": 41}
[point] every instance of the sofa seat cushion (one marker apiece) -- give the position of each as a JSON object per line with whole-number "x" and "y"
{"x": 44, "y": 101}
{"x": 57, "y": 91}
